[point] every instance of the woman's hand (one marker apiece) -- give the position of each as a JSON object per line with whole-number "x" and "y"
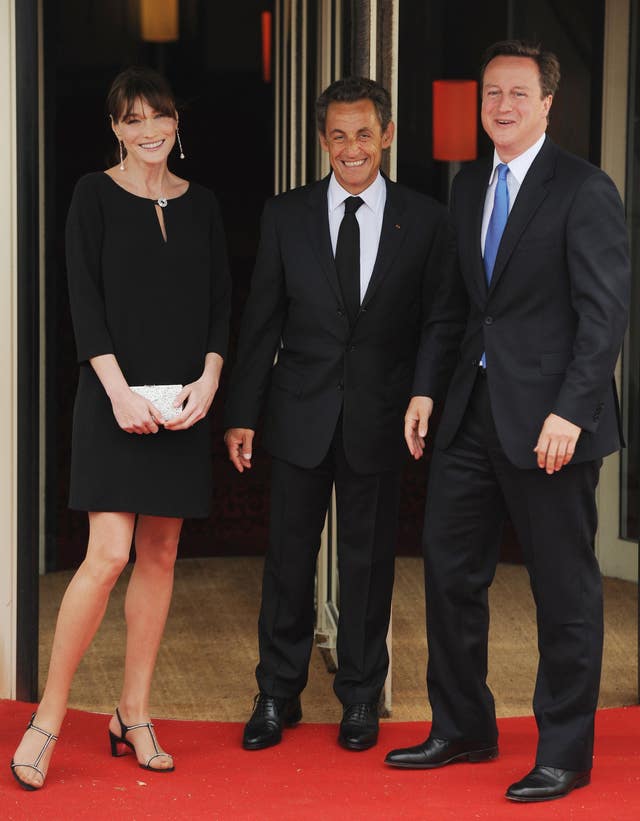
{"x": 134, "y": 413}
{"x": 197, "y": 396}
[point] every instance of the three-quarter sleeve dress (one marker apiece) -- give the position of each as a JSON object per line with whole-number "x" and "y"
{"x": 159, "y": 307}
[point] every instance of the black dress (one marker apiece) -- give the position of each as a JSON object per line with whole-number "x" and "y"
{"x": 159, "y": 307}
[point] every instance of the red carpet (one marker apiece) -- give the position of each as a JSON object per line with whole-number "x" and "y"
{"x": 307, "y": 777}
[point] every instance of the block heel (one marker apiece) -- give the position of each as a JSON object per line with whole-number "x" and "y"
{"x": 120, "y": 745}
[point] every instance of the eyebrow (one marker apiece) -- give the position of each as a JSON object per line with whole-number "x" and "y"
{"x": 359, "y": 131}
{"x": 141, "y": 114}
{"x": 496, "y": 85}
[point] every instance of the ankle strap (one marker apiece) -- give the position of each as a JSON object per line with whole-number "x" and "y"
{"x": 124, "y": 728}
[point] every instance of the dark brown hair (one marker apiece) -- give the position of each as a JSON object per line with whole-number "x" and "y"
{"x": 139, "y": 82}
{"x": 350, "y": 90}
{"x": 547, "y": 62}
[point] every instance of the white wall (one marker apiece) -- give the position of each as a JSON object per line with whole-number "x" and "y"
{"x": 8, "y": 267}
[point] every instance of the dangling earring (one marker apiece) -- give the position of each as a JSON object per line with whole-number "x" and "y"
{"x": 179, "y": 143}
{"x": 121, "y": 155}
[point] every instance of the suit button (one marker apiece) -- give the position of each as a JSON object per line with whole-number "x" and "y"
{"x": 474, "y": 363}
{"x": 340, "y": 312}
{"x": 488, "y": 320}
{"x": 363, "y": 310}
{"x": 340, "y": 386}
{"x": 352, "y": 348}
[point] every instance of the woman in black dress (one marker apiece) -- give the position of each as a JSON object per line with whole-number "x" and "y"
{"x": 149, "y": 290}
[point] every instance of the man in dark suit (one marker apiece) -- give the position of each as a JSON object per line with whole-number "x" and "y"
{"x": 530, "y": 412}
{"x": 344, "y": 293}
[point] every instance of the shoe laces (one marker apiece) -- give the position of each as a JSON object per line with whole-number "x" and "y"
{"x": 264, "y": 705}
{"x": 358, "y": 712}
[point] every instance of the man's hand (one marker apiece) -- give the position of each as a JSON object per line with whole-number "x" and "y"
{"x": 416, "y": 424}
{"x": 239, "y": 442}
{"x": 556, "y": 443}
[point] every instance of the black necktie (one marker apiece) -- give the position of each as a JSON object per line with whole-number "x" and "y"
{"x": 348, "y": 257}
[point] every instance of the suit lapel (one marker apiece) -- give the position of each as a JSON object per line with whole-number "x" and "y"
{"x": 532, "y": 193}
{"x": 319, "y": 234}
{"x": 394, "y": 228}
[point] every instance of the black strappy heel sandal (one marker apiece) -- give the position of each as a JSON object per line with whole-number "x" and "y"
{"x": 35, "y": 766}
{"x": 120, "y": 744}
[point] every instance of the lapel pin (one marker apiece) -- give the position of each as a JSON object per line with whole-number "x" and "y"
{"x": 396, "y": 225}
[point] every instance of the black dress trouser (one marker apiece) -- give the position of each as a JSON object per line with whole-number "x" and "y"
{"x": 367, "y": 513}
{"x": 472, "y": 487}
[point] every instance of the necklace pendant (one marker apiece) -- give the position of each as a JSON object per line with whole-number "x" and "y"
{"x": 162, "y": 202}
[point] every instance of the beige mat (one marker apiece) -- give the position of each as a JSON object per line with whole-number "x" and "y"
{"x": 209, "y": 652}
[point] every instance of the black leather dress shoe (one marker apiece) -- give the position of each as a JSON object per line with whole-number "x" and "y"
{"x": 437, "y": 752}
{"x": 270, "y": 715}
{"x": 547, "y": 783}
{"x": 359, "y": 726}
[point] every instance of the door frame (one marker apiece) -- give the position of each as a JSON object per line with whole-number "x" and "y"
{"x": 28, "y": 336}
{"x": 617, "y": 557}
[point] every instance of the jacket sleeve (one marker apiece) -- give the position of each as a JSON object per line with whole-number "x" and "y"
{"x": 444, "y": 315}
{"x": 84, "y": 235}
{"x": 600, "y": 278}
{"x": 261, "y": 330}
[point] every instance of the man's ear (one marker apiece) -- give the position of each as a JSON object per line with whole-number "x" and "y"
{"x": 323, "y": 141}
{"x": 387, "y": 137}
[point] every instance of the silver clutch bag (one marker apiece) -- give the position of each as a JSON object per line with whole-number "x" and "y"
{"x": 162, "y": 396}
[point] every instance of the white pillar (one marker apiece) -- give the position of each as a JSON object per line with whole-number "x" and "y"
{"x": 8, "y": 387}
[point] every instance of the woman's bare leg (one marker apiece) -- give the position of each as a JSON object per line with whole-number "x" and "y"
{"x": 146, "y": 608}
{"x": 80, "y": 615}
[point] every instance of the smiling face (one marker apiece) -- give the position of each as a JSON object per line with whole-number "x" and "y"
{"x": 355, "y": 141}
{"x": 514, "y": 111}
{"x": 147, "y": 134}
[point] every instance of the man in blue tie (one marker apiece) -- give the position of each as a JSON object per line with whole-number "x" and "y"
{"x": 531, "y": 411}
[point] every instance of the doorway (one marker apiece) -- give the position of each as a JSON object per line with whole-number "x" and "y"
{"x": 227, "y": 127}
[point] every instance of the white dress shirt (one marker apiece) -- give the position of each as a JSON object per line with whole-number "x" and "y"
{"x": 369, "y": 217}
{"x": 518, "y": 168}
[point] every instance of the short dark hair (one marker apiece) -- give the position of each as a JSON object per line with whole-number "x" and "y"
{"x": 139, "y": 82}
{"x": 350, "y": 90}
{"x": 547, "y": 62}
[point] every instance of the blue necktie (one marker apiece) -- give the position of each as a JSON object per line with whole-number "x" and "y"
{"x": 497, "y": 221}
{"x": 495, "y": 229}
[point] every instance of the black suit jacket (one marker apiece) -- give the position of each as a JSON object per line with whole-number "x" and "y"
{"x": 324, "y": 366}
{"x": 553, "y": 319}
